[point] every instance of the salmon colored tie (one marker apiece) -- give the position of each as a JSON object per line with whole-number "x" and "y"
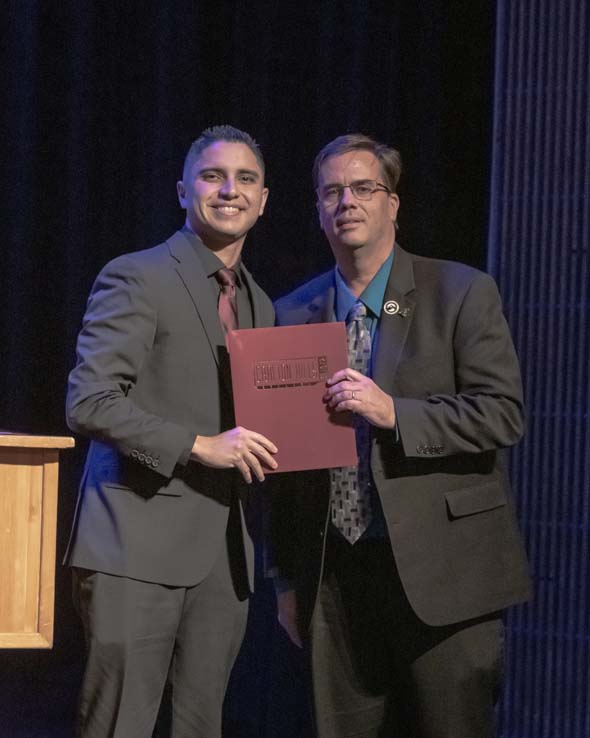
{"x": 227, "y": 305}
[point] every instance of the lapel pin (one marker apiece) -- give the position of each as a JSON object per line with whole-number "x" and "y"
{"x": 391, "y": 307}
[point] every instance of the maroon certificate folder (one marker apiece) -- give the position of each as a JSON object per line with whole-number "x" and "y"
{"x": 279, "y": 377}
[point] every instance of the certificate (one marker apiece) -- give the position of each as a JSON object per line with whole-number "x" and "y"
{"x": 279, "y": 378}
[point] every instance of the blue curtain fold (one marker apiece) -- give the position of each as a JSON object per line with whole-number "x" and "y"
{"x": 539, "y": 241}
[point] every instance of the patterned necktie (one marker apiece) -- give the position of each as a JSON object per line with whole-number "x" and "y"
{"x": 350, "y": 501}
{"x": 227, "y": 305}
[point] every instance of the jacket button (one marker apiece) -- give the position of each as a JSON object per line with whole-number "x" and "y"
{"x": 141, "y": 457}
{"x": 134, "y": 453}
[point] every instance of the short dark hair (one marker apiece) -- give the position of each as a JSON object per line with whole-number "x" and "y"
{"x": 221, "y": 133}
{"x": 389, "y": 158}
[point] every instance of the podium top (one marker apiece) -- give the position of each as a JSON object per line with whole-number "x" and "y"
{"x": 18, "y": 440}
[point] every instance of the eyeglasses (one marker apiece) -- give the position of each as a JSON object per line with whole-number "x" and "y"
{"x": 363, "y": 189}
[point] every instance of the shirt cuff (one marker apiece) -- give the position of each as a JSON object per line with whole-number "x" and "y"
{"x": 184, "y": 457}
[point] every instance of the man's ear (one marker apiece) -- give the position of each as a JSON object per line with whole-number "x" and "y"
{"x": 319, "y": 209}
{"x": 263, "y": 201}
{"x": 393, "y": 205}
{"x": 180, "y": 189}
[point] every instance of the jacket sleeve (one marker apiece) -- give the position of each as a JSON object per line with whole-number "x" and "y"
{"x": 116, "y": 338}
{"x": 486, "y": 410}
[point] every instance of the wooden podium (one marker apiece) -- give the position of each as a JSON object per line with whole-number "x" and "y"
{"x": 28, "y": 517}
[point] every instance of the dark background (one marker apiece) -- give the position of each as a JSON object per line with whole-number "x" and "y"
{"x": 100, "y": 105}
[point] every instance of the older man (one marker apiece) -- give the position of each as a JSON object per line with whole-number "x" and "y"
{"x": 397, "y": 570}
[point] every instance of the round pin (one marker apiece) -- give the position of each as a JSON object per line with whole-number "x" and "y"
{"x": 391, "y": 307}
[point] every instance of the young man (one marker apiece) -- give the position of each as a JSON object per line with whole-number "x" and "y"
{"x": 162, "y": 559}
{"x": 397, "y": 570}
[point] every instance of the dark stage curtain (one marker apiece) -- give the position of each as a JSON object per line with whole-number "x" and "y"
{"x": 100, "y": 103}
{"x": 540, "y": 253}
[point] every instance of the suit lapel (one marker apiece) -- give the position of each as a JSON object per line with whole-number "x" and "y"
{"x": 190, "y": 271}
{"x": 395, "y": 319}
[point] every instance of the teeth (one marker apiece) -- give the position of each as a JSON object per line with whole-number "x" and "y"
{"x": 229, "y": 209}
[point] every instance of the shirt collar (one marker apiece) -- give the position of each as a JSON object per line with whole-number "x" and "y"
{"x": 372, "y": 296}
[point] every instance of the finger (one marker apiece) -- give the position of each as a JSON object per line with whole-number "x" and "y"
{"x": 263, "y": 441}
{"x": 350, "y": 400}
{"x": 244, "y": 470}
{"x": 252, "y": 461}
{"x": 348, "y": 395}
{"x": 356, "y": 376}
{"x": 338, "y": 377}
{"x": 347, "y": 374}
{"x": 265, "y": 458}
{"x": 344, "y": 405}
{"x": 294, "y": 636}
{"x": 263, "y": 455}
{"x": 339, "y": 387}
{"x": 292, "y": 631}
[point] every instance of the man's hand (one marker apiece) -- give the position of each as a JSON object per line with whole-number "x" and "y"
{"x": 237, "y": 448}
{"x": 351, "y": 390}
{"x": 287, "y": 611}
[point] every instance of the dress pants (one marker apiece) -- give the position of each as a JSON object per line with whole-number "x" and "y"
{"x": 139, "y": 633}
{"x": 380, "y": 672}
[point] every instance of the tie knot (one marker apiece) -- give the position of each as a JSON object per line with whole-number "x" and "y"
{"x": 226, "y": 277}
{"x": 357, "y": 312}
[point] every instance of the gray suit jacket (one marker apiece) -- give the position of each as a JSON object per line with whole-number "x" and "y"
{"x": 445, "y": 354}
{"x": 152, "y": 374}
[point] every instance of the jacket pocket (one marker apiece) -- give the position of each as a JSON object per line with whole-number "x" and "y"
{"x": 472, "y": 500}
{"x": 142, "y": 482}
{"x": 142, "y": 491}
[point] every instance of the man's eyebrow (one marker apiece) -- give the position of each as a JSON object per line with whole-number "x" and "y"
{"x": 221, "y": 170}
{"x": 251, "y": 172}
{"x": 354, "y": 181}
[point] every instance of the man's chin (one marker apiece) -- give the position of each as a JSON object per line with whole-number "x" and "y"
{"x": 351, "y": 243}
{"x": 217, "y": 240}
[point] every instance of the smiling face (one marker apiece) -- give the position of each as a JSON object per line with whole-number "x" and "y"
{"x": 349, "y": 223}
{"x": 223, "y": 194}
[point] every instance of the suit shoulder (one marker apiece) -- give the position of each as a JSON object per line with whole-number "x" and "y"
{"x": 138, "y": 261}
{"x": 450, "y": 274}
{"x": 305, "y": 293}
